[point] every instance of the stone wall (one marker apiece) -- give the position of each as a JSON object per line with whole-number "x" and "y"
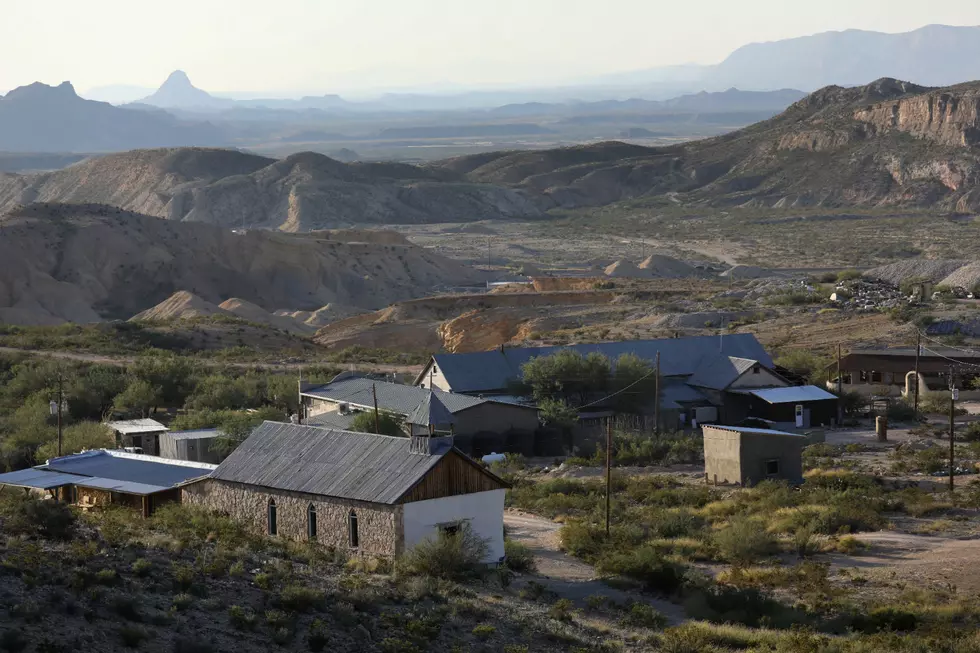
{"x": 379, "y": 527}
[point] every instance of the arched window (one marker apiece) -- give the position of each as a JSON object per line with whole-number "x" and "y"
{"x": 352, "y": 527}
{"x": 273, "y": 526}
{"x": 311, "y": 522}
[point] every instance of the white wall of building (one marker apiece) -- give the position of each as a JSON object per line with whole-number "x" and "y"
{"x": 483, "y": 510}
{"x": 434, "y": 379}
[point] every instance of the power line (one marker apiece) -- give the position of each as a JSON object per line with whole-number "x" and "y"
{"x": 951, "y": 360}
{"x": 940, "y": 342}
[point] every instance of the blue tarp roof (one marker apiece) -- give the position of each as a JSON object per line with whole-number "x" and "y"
{"x": 793, "y": 395}
{"x": 126, "y": 487}
{"x": 38, "y": 478}
{"x": 134, "y": 469}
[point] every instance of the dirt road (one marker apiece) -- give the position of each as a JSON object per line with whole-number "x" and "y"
{"x": 566, "y": 576}
{"x": 920, "y": 560}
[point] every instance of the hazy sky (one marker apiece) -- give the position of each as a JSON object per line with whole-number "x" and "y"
{"x": 331, "y": 45}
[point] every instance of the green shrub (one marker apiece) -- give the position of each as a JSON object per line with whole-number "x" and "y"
{"x": 561, "y": 610}
{"x": 183, "y": 575}
{"x": 300, "y": 598}
{"x": 642, "y": 615}
{"x": 744, "y": 541}
{"x": 182, "y": 601}
{"x": 519, "y": 557}
{"x": 263, "y": 580}
{"x": 241, "y": 618}
{"x": 106, "y": 577}
{"x": 747, "y": 606}
{"x": 457, "y": 555}
{"x": 899, "y": 411}
{"x": 484, "y": 631}
{"x": 237, "y": 569}
{"x": 142, "y": 567}
{"x": 646, "y": 565}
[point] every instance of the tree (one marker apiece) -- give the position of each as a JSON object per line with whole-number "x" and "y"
{"x": 217, "y": 392}
{"x": 808, "y": 364}
{"x": 139, "y": 398}
{"x": 172, "y": 374}
{"x": 557, "y": 414}
{"x": 389, "y": 423}
{"x": 27, "y": 429}
{"x": 235, "y": 429}
{"x": 79, "y": 437}
{"x": 567, "y": 375}
{"x": 635, "y": 381}
{"x": 91, "y": 394}
{"x": 282, "y": 392}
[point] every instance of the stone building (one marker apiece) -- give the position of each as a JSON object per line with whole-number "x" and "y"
{"x": 746, "y": 456}
{"x": 363, "y": 493}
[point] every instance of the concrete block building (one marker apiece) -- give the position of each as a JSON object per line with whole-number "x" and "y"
{"x": 746, "y": 456}
{"x": 363, "y": 493}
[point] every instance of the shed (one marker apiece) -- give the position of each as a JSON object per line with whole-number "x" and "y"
{"x": 796, "y": 406}
{"x": 746, "y": 456}
{"x": 138, "y": 434}
{"x": 197, "y": 446}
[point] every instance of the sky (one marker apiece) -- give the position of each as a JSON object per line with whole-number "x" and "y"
{"x": 280, "y": 47}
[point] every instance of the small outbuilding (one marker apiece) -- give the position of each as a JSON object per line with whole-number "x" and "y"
{"x": 138, "y": 435}
{"x": 801, "y": 407}
{"x": 362, "y": 493}
{"x": 746, "y": 456}
{"x": 196, "y": 446}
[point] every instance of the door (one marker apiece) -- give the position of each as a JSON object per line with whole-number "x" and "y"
{"x": 799, "y": 416}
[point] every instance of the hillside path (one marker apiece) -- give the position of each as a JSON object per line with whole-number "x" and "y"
{"x": 570, "y": 578}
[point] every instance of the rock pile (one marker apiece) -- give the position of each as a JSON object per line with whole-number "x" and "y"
{"x": 867, "y": 295}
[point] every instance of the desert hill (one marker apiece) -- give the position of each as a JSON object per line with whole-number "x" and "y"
{"x": 887, "y": 143}
{"x": 178, "y": 91}
{"x": 41, "y": 118}
{"x": 303, "y": 192}
{"x": 86, "y": 263}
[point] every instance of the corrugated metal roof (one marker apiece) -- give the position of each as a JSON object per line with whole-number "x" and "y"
{"x": 431, "y": 412}
{"x": 721, "y": 372}
{"x": 134, "y": 468}
{"x": 792, "y": 395}
{"x": 197, "y": 434}
{"x": 393, "y": 397}
{"x": 126, "y": 487}
{"x": 332, "y": 420}
{"x": 301, "y": 458}
{"x": 492, "y": 371}
{"x": 133, "y": 426}
{"x": 681, "y": 393}
{"x": 749, "y": 429}
{"x": 38, "y": 478}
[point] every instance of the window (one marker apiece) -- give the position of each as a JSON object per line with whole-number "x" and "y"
{"x": 352, "y": 528}
{"x": 876, "y": 377}
{"x": 450, "y": 529}
{"x": 756, "y": 369}
{"x": 772, "y": 468}
{"x": 273, "y": 527}
{"x": 863, "y": 376}
{"x": 311, "y": 522}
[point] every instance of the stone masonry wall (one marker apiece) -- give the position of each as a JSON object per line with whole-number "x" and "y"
{"x": 378, "y": 526}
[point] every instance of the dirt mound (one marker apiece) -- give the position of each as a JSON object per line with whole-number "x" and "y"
{"x": 252, "y": 313}
{"x": 927, "y": 270}
{"x": 323, "y": 316}
{"x": 967, "y": 277}
{"x": 86, "y": 263}
{"x": 661, "y": 266}
{"x": 626, "y": 270}
{"x": 303, "y": 192}
{"x": 181, "y": 305}
{"x": 746, "y": 272}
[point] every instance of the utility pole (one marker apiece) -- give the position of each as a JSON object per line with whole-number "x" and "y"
{"x": 609, "y": 440}
{"x": 915, "y": 391}
{"x": 656, "y": 398}
{"x": 953, "y": 395}
{"x": 840, "y": 391}
{"x": 377, "y": 417}
{"x": 489, "y": 239}
{"x": 61, "y": 403}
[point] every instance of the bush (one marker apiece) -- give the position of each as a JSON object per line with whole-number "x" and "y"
{"x": 182, "y": 601}
{"x": 317, "y": 639}
{"x": 49, "y": 519}
{"x": 484, "y": 631}
{"x": 642, "y": 615}
{"x": 744, "y": 541}
{"x": 561, "y": 610}
{"x": 241, "y": 618}
{"x": 749, "y": 607}
{"x": 142, "y": 567}
{"x": 519, "y": 557}
{"x": 646, "y": 565}
{"x": 899, "y": 411}
{"x": 184, "y": 575}
{"x": 458, "y": 555}
{"x": 132, "y": 636}
{"x": 300, "y": 598}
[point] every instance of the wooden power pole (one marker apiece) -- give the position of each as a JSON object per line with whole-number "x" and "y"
{"x": 609, "y": 440}
{"x": 915, "y": 391}
{"x": 953, "y": 394}
{"x": 61, "y": 404}
{"x": 840, "y": 391}
{"x": 656, "y": 398}
{"x": 377, "y": 416}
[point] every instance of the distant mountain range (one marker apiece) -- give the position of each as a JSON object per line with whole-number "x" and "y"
{"x": 41, "y": 118}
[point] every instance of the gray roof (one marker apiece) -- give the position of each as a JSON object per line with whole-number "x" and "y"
{"x": 135, "y": 468}
{"x": 126, "y": 487}
{"x": 720, "y": 372}
{"x": 491, "y": 371}
{"x": 680, "y": 393}
{"x": 332, "y": 420}
{"x": 133, "y": 426}
{"x": 37, "y": 478}
{"x": 392, "y": 397}
{"x": 793, "y": 395}
{"x": 196, "y": 434}
{"x": 431, "y": 412}
{"x": 748, "y": 429}
{"x": 301, "y": 458}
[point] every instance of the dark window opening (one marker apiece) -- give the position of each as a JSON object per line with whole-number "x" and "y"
{"x": 756, "y": 369}
{"x": 311, "y": 522}
{"x": 772, "y": 468}
{"x": 352, "y": 527}
{"x": 273, "y": 525}
{"x": 876, "y": 377}
{"x": 451, "y": 529}
{"x": 863, "y": 376}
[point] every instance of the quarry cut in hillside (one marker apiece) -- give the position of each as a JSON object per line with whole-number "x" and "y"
{"x": 889, "y": 143}
{"x": 89, "y": 263}
{"x": 303, "y": 192}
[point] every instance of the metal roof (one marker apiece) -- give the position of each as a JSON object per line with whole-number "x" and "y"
{"x": 720, "y": 372}
{"x": 792, "y": 395}
{"x": 393, "y": 397}
{"x": 135, "y": 468}
{"x": 38, "y": 478}
{"x": 358, "y": 466}
{"x": 680, "y": 393}
{"x": 332, "y": 420}
{"x": 196, "y": 434}
{"x": 928, "y": 351}
{"x": 491, "y": 371}
{"x": 749, "y": 429}
{"x": 431, "y": 412}
{"x": 126, "y": 487}
{"x": 134, "y": 426}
